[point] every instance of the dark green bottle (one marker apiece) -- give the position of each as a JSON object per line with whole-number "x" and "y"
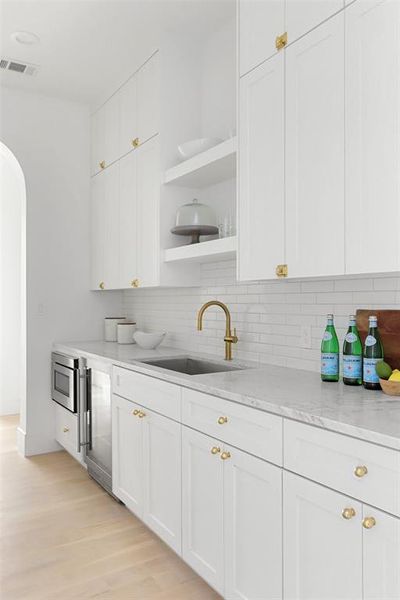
{"x": 352, "y": 355}
{"x": 373, "y": 353}
{"x": 330, "y": 352}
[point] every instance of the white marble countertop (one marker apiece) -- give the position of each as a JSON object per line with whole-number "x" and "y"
{"x": 300, "y": 395}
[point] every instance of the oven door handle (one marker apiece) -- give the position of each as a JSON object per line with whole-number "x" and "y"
{"x": 84, "y": 405}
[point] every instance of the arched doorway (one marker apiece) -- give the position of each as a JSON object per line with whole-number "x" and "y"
{"x": 12, "y": 290}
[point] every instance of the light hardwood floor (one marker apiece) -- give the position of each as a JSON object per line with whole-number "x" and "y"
{"x": 64, "y": 538}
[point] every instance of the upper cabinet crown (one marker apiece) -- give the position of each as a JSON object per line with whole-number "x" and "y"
{"x": 129, "y": 118}
{"x": 267, "y": 26}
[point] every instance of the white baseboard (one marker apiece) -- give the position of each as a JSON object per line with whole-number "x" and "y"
{"x": 21, "y": 435}
{"x": 35, "y": 445}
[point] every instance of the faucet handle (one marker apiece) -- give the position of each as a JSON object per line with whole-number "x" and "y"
{"x": 234, "y": 337}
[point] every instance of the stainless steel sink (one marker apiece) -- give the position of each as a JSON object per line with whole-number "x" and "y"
{"x": 191, "y": 366}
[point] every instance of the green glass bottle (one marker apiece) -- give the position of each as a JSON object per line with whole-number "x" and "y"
{"x": 373, "y": 353}
{"x": 330, "y": 352}
{"x": 352, "y": 355}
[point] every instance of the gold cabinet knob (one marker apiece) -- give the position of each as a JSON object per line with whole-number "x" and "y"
{"x": 225, "y": 455}
{"x": 141, "y": 414}
{"x": 369, "y": 522}
{"x": 222, "y": 420}
{"x": 360, "y": 471}
{"x": 102, "y": 164}
{"x": 281, "y": 271}
{"x": 135, "y": 142}
{"x": 65, "y": 429}
{"x": 101, "y": 285}
{"x": 135, "y": 283}
{"x": 281, "y": 41}
{"x": 215, "y": 450}
{"x": 135, "y": 412}
{"x": 348, "y": 513}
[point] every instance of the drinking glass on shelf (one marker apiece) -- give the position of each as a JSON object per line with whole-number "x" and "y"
{"x": 226, "y": 226}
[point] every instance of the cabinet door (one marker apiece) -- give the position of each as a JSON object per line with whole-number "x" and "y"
{"x": 148, "y": 100}
{"x": 381, "y": 550}
{"x": 261, "y": 171}
{"x": 127, "y": 220}
{"x": 372, "y": 136}
{"x": 253, "y": 527}
{"x": 111, "y": 227}
{"x": 97, "y": 142}
{"x": 148, "y": 198}
{"x": 260, "y": 22}
{"x": 97, "y": 215}
{"x": 128, "y": 130}
{"x": 202, "y": 505}
{"x": 322, "y": 557}
{"x": 315, "y": 152}
{"x": 304, "y": 15}
{"x": 162, "y": 467}
{"x": 127, "y": 455}
{"x": 109, "y": 112}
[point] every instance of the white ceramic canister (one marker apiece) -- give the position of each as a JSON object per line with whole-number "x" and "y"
{"x": 125, "y": 333}
{"x": 110, "y": 328}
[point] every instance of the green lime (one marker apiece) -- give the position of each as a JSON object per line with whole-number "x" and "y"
{"x": 383, "y": 369}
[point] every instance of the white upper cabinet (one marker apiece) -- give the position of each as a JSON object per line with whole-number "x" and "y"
{"x": 128, "y": 127}
{"x": 128, "y": 220}
{"x": 148, "y": 99}
{"x": 381, "y": 555}
{"x": 322, "y": 556}
{"x": 261, "y": 171}
{"x": 260, "y": 22}
{"x": 148, "y": 200}
{"x": 373, "y": 136}
{"x": 315, "y": 152}
{"x": 105, "y": 135}
{"x": 304, "y": 15}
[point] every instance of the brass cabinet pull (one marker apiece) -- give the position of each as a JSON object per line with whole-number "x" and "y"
{"x": 65, "y": 429}
{"x": 135, "y": 412}
{"x": 135, "y": 283}
{"x": 102, "y": 164}
{"x": 101, "y": 285}
{"x": 360, "y": 471}
{"x": 281, "y": 41}
{"x": 141, "y": 414}
{"x": 281, "y": 271}
{"x": 215, "y": 450}
{"x": 348, "y": 513}
{"x": 222, "y": 420}
{"x": 225, "y": 455}
{"x": 369, "y": 522}
{"x": 135, "y": 142}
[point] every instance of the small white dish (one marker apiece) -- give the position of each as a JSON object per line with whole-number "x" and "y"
{"x": 193, "y": 147}
{"x": 148, "y": 341}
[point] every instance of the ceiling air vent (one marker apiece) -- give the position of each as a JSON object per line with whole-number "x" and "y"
{"x": 18, "y": 67}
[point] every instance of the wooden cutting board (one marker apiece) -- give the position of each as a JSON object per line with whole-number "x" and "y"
{"x": 389, "y": 330}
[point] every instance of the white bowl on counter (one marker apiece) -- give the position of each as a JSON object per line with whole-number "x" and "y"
{"x": 193, "y": 147}
{"x": 148, "y": 341}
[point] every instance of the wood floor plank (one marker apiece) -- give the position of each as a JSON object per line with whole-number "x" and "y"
{"x": 64, "y": 538}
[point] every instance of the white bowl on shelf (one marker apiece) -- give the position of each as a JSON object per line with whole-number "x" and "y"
{"x": 193, "y": 147}
{"x": 148, "y": 341}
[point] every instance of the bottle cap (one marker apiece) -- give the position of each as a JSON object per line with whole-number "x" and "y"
{"x": 373, "y": 318}
{"x": 330, "y": 317}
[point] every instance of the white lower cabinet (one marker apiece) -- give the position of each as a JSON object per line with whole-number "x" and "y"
{"x": 322, "y": 554}
{"x": 147, "y": 467}
{"x": 231, "y": 518}
{"x": 381, "y": 555}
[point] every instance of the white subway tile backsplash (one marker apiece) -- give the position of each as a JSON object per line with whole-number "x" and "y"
{"x": 267, "y": 315}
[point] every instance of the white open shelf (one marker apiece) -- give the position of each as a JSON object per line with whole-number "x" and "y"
{"x": 203, "y": 252}
{"x": 207, "y": 168}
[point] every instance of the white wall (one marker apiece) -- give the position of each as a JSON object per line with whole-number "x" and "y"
{"x": 12, "y": 288}
{"x": 50, "y": 139}
{"x": 268, "y": 315}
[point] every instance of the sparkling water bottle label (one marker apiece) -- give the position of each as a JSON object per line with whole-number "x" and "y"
{"x": 327, "y": 336}
{"x": 351, "y": 337}
{"x": 370, "y": 375}
{"x": 370, "y": 340}
{"x": 329, "y": 363}
{"x": 352, "y": 367}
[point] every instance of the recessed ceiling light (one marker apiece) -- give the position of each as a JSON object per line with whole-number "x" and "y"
{"x": 25, "y": 37}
